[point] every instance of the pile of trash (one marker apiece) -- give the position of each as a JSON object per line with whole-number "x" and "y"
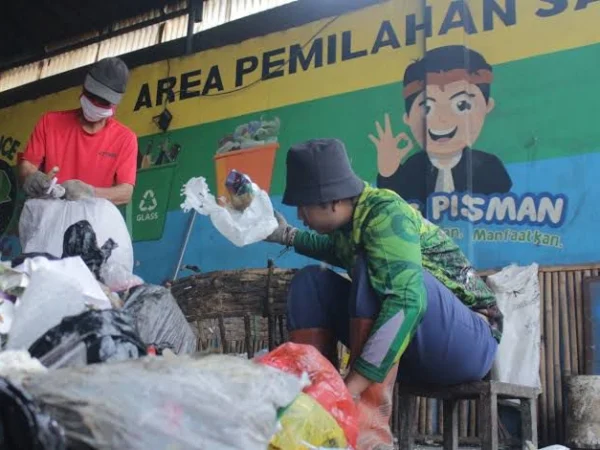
{"x": 253, "y": 134}
{"x": 92, "y": 357}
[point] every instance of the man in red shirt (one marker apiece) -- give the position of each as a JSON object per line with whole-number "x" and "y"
{"x": 89, "y": 152}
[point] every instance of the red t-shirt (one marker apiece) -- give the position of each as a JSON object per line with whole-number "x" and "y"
{"x": 103, "y": 159}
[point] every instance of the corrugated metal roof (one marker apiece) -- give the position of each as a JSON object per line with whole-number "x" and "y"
{"x": 215, "y": 13}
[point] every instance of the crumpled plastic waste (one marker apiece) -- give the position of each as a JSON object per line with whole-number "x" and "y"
{"x": 89, "y": 338}
{"x": 52, "y": 293}
{"x": 251, "y": 134}
{"x": 216, "y": 402}
{"x": 305, "y": 425}
{"x": 327, "y": 386}
{"x": 80, "y": 240}
{"x": 240, "y": 189}
{"x": 159, "y": 321}
{"x": 252, "y": 225}
{"x": 23, "y": 425}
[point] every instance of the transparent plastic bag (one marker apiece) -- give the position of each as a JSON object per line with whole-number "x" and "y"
{"x": 327, "y": 386}
{"x": 159, "y": 320}
{"x": 305, "y": 425}
{"x": 253, "y": 224}
{"x": 217, "y": 402}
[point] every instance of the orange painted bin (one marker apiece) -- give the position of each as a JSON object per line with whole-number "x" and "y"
{"x": 256, "y": 162}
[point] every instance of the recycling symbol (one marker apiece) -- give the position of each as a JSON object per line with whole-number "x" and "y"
{"x": 8, "y": 195}
{"x": 148, "y": 202}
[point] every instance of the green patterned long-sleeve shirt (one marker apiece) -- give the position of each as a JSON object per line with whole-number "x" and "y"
{"x": 398, "y": 244}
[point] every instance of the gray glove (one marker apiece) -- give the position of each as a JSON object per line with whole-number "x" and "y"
{"x": 284, "y": 233}
{"x": 37, "y": 184}
{"x": 77, "y": 190}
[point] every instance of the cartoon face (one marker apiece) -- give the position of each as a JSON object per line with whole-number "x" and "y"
{"x": 454, "y": 116}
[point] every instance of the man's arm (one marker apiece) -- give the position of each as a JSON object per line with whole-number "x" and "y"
{"x": 26, "y": 169}
{"x": 316, "y": 246}
{"x": 120, "y": 194}
{"x": 122, "y": 191}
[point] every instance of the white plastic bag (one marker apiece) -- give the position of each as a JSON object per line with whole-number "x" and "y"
{"x": 55, "y": 289}
{"x": 518, "y": 295}
{"x": 252, "y": 225}
{"x": 43, "y": 223}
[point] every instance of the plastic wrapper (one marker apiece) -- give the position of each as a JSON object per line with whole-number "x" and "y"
{"x": 240, "y": 190}
{"x": 89, "y": 338}
{"x": 80, "y": 240}
{"x": 252, "y": 225}
{"x": 159, "y": 320}
{"x": 118, "y": 278}
{"x": 216, "y": 402}
{"x": 327, "y": 386}
{"x": 43, "y": 223}
{"x": 23, "y": 425}
{"x": 305, "y": 425}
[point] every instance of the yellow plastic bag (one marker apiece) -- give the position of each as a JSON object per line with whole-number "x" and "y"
{"x": 305, "y": 425}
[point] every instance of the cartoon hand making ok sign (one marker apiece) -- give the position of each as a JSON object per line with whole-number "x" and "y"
{"x": 391, "y": 149}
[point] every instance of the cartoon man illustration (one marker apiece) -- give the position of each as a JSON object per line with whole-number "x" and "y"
{"x": 447, "y": 99}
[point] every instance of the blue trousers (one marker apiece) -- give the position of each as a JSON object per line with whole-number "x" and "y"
{"x": 452, "y": 344}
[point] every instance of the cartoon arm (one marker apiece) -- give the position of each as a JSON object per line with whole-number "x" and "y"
{"x": 389, "y": 154}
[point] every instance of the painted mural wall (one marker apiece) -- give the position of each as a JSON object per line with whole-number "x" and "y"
{"x": 481, "y": 113}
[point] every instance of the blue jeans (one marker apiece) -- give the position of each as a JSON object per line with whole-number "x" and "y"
{"x": 451, "y": 345}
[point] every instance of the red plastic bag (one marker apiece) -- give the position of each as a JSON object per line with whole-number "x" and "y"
{"x": 327, "y": 386}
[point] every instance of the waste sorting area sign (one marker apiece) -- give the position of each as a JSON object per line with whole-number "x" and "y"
{"x": 150, "y": 201}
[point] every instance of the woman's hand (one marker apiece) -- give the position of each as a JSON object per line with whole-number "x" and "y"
{"x": 356, "y": 384}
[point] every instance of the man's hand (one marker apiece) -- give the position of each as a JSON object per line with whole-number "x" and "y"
{"x": 77, "y": 190}
{"x": 37, "y": 184}
{"x": 389, "y": 154}
{"x": 356, "y": 384}
{"x": 284, "y": 233}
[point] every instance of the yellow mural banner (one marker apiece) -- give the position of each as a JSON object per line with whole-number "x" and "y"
{"x": 359, "y": 50}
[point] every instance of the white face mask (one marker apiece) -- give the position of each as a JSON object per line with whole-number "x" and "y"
{"x": 94, "y": 113}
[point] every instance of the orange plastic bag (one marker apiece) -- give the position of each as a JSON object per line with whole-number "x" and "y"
{"x": 327, "y": 386}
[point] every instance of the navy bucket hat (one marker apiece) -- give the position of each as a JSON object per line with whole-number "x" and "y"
{"x": 319, "y": 171}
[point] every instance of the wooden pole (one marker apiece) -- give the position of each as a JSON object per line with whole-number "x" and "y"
{"x": 550, "y": 358}
{"x": 579, "y": 309}
{"x": 558, "y": 398}
{"x": 572, "y": 312}
{"x": 543, "y": 398}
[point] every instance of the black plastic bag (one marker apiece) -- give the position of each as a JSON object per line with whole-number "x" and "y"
{"x": 158, "y": 319}
{"x": 21, "y": 258}
{"x": 89, "y": 338}
{"x": 80, "y": 240}
{"x": 23, "y": 425}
